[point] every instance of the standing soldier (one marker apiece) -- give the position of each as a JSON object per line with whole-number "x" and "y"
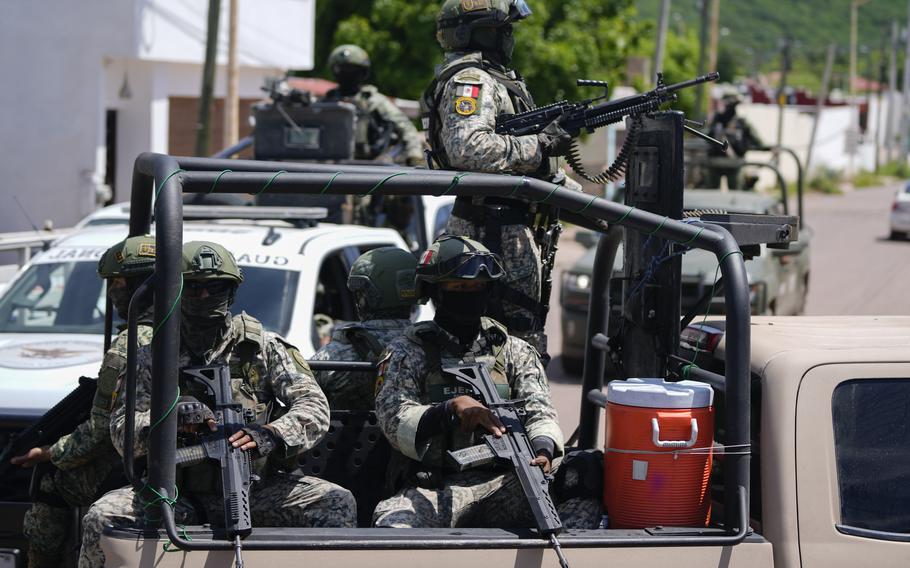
{"x": 379, "y": 121}
{"x": 269, "y": 378}
{"x": 85, "y": 459}
{"x": 473, "y": 86}
{"x": 382, "y": 282}
{"x": 380, "y": 124}
{"x": 742, "y": 138}
{"x": 423, "y": 413}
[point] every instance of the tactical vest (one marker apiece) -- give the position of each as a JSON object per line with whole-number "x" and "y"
{"x": 438, "y": 388}
{"x": 365, "y": 343}
{"x": 431, "y": 102}
{"x": 248, "y": 388}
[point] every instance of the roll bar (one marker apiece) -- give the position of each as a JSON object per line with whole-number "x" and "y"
{"x": 159, "y": 180}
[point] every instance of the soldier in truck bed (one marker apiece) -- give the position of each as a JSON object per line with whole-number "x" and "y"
{"x": 423, "y": 413}
{"x": 84, "y": 463}
{"x": 272, "y": 382}
{"x": 382, "y": 283}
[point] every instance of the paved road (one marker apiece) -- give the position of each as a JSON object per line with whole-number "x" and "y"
{"x": 855, "y": 270}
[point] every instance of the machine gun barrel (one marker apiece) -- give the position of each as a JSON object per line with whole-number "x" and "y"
{"x": 515, "y": 449}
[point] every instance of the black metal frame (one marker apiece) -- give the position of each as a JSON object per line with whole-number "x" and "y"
{"x": 174, "y": 176}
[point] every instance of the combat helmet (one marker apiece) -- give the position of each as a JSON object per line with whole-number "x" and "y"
{"x": 457, "y": 19}
{"x": 349, "y": 62}
{"x": 382, "y": 282}
{"x": 131, "y": 257}
{"x": 455, "y": 258}
{"x": 204, "y": 260}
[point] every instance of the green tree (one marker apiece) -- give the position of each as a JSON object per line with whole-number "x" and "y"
{"x": 559, "y": 43}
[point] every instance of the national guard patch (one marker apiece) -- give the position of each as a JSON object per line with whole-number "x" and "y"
{"x": 146, "y": 249}
{"x": 299, "y": 360}
{"x": 465, "y": 106}
{"x": 474, "y": 5}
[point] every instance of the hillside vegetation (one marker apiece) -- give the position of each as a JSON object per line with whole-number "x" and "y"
{"x": 752, "y": 31}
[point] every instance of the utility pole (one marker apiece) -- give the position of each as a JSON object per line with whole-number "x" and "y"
{"x": 231, "y": 102}
{"x": 782, "y": 91}
{"x": 715, "y": 34}
{"x": 204, "y": 120}
{"x": 661, "y": 36}
{"x": 878, "y": 110}
{"x": 905, "y": 123}
{"x": 891, "y": 121}
{"x": 854, "y": 16}
{"x": 822, "y": 99}
{"x": 700, "y": 109}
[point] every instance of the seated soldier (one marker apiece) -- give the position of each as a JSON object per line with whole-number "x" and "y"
{"x": 382, "y": 283}
{"x": 269, "y": 378}
{"x": 423, "y": 413}
{"x": 85, "y": 460}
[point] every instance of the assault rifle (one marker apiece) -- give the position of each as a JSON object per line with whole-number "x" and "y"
{"x": 60, "y": 420}
{"x": 547, "y": 238}
{"x": 513, "y": 448}
{"x": 236, "y": 474}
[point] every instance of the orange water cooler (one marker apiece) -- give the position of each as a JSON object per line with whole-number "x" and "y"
{"x": 659, "y": 438}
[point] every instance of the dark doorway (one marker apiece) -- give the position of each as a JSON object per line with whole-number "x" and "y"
{"x": 110, "y": 142}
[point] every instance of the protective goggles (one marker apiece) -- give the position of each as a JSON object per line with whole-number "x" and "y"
{"x": 194, "y": 288}
{"x": 467, "y": 266}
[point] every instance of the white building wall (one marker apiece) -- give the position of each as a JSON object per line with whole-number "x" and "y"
{"x": 63, "y": 63}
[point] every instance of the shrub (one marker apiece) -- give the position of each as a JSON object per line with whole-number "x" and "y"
{"x": 865, "y": 178}
{"x": 826, "y": 180}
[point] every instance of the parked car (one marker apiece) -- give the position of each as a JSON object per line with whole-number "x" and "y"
{"x": 900, "y": 214}
{"x": 778, "y": 279}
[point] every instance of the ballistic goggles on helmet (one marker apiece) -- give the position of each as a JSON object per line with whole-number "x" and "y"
{"x": 518, "y": 10}
{"x": 465, "y": 266}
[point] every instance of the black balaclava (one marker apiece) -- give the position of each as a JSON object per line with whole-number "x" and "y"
{"x": 120, "y": 297}
{"x": 350, "y": 78}
{"x": 497, "y": 44}
{"x": 206, "y": 321}
{"x": 459, "y": 312}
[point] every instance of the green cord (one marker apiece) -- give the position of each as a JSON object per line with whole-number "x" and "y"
{"x": 382, "y": 183}
{"x": 582, "y": 210}
{"x": 171, "y": 311}
{"x": 269, "y": 183}
{"x": 326, "y": 188}
{"x": 455, "y": 181}
{"x": 549, "y": 195}
{"x": 167, "y": 545}
{"x": 169, "y": 176}
{"x": 659, "y": 227}
{"x": 217, "y": 179}
{"x": 686, "y": 369}
{"x": 166, "y": 414}
{"x": 695, "y": 236}
{"x": 517, "y": 185}
{"x": 623, "y": 218}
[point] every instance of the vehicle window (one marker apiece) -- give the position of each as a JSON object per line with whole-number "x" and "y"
{"x": 333, "y": 303}
{"x": 268, "y": 295}
{"x": 442, "y": 217}
{"x": 871, "y": 430}
{"x": 65, "y": 297}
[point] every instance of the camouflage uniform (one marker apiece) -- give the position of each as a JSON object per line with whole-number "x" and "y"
{"x": 411, "y": 381}
{"x": 278, "y": 372}
{"x": 365, "y": 341}
{"x": 376, "y": 112}
{"x": 469, "y": 94}
{"x": 84, "y": 460}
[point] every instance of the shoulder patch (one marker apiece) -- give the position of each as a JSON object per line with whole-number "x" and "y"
{"x": 468, "y": 76}
{"x": 465, "y": 106}
{"x": 380, "y": 373}
{"x": 301, "y": 363}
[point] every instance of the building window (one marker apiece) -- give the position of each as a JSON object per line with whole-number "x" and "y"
{"x": 872, "y": 448}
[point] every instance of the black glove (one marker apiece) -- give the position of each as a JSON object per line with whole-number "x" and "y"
{"x": 266, "y": 440}
{"x": 554, "y": 140}
{"x": 190, "y": 411}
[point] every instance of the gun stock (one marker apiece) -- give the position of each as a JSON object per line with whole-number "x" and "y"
{"x": 60, "y": 420}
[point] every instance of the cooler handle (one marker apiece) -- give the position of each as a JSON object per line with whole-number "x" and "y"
{"x": 655, "y": 436}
